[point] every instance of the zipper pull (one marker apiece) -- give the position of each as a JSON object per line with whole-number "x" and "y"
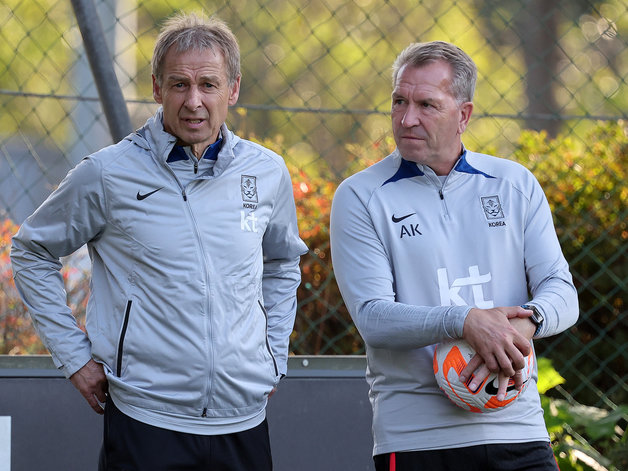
{"x": 204, "y": 414}
{"x": 195, "y": 167}
{"x": 440, "y": 193}
{"x": 185, "y": 197}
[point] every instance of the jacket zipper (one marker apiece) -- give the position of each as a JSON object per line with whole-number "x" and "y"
{"x": 122, "y": 335}
{"x": 441, "y": 194}
{"x": 440, "y": 186}
{"x": 266, "y": 338}
{"x": 199, "y": 240}
{"x": 207, "y": 326}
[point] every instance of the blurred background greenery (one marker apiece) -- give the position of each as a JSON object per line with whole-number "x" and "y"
{"x": 316, "y": 85}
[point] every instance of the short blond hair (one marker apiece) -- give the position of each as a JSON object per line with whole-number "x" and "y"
{"x": 464, "y": 72}
{"x": 187, "y": 31}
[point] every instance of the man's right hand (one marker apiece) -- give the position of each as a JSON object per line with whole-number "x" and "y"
{"x": 91, "y": 382}
{"x": 499, "y": 345}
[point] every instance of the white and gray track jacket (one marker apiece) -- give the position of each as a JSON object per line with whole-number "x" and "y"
{"x": 412, "y": 255}
{"x": 193, "y": 287}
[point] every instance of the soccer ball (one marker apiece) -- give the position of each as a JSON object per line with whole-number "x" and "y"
{"x": 451, "y": 357}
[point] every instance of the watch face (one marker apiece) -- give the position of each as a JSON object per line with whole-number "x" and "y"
{"x": 536, "y": 316}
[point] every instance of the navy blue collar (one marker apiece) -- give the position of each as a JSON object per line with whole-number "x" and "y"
{"x": 464, "y": 166}
{"x": 408, "y": 169}
{"x": 211, "y": 153}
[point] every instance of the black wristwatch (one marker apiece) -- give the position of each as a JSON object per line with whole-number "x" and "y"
{"x": 536, "y": 317}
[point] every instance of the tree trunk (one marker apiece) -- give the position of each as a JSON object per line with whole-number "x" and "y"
{"x": 537, "y": 28}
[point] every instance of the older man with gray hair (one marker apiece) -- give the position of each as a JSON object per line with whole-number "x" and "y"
{"x": 195, "y": 251}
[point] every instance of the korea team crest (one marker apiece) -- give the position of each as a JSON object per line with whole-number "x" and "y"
{"x": 248, "y": 187}
{"x": 493, "y": 210}
{"x": 248, "y": 190}
{"x": 492, "y": 207}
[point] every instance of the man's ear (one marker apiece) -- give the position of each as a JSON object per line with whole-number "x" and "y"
{"x": 157, "y": 91}
{"x": 465, "y": 114}
{"x": 234, "y": 92}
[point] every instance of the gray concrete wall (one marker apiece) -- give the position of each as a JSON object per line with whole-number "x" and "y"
{"x": 320, "y": 418}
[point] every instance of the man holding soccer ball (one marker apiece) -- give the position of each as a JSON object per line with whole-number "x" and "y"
{"x": 437, "y": 242}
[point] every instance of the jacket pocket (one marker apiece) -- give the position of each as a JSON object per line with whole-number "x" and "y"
{"x": 125, "y": 324}
{"x": 266, "y": 339}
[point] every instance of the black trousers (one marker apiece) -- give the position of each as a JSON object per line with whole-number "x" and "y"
{"x": 130, "y": 445}
{"x": 532, "y": 456}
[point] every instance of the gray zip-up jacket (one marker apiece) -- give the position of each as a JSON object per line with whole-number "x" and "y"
{"x": 193, "y": 289}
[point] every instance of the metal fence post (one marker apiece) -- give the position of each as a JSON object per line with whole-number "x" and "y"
{"x": 101, "y": 65}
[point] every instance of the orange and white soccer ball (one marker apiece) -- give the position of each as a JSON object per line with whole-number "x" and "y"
{"x": 451, "y": 357}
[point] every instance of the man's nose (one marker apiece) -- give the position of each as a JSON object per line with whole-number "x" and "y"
{"x": 193, "y": 98}
{"x": 411, "y": 117}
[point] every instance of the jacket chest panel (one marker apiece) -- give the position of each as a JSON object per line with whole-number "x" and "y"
{"x": 421, "y": 217}
{"x": 216, "y": 221}
{"x": 452, "y": 250}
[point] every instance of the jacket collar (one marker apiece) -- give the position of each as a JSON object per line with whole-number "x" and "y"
{"x": 182, "y": 153}
{"x": 160, "y": 144}
{"x": 408, "y": 169}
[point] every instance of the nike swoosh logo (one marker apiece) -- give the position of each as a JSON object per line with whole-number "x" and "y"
{"x": 491, "y": 389}
{"x": 146, "y": 195}
{"x": 394, "y": 219}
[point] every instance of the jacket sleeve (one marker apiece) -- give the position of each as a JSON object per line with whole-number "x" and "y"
{"x": 366, "y": 280}
{"x": 549, "y": 279}
{"x": 71, "y": 216}
{"x": 282, "y": 248}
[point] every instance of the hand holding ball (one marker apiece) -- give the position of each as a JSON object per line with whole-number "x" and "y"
{"x": 451, "y": 357}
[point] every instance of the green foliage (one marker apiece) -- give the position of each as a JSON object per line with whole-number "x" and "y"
{"x": 333, "y": 55}
{"x": 584, "y": 181}
{"x": 35, "y": 57}
{"x": 550, "y": 378}
{"x": 583, "y": 437}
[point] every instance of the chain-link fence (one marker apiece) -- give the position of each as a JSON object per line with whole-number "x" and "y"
{"x": 316, "y": 88}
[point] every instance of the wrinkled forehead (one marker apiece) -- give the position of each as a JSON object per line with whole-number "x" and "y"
{"x": 429, "y": 78}
{"x": 430, "y": 68}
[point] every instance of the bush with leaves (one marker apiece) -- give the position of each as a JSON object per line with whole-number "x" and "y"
{"x": 585, "y": 183}
{"x": 323, "y": 324}
{"x": 16, "y": 333}
{"x": 583, "y": 437}
{"x": 17, "y": 336}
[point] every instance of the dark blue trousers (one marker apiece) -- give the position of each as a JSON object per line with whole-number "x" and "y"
{"x": 130, "y": 445}
{"x": 532, "y": 456}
